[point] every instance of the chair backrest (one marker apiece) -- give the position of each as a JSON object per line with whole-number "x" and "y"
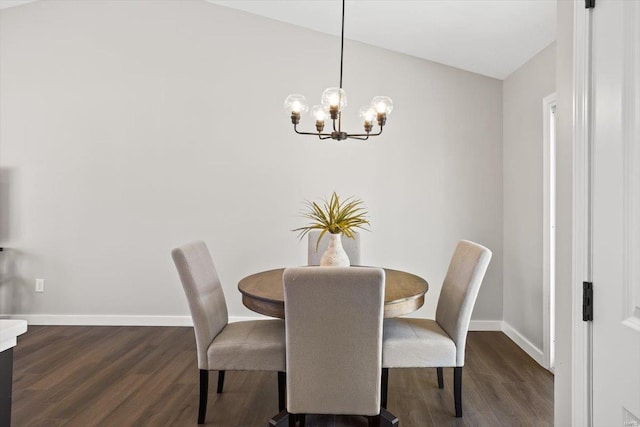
{"x": 333, "y": 323}
{"x": 459, "y": 291}
{"x": 204, "y": 293}
{"x": 350, "y": 246}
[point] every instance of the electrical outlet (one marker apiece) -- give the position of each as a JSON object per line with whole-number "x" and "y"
{"x": 39, "y": 285}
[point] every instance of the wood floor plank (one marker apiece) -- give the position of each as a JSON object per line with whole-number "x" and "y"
{"x": 156, "y": 388}
{"x": 61, "y": 365}
{"x": 110, "y": 398}
{"x": 148, "y": 376}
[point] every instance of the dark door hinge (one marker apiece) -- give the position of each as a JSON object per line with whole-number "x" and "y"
{"x": 589, "y": 4}
{"x": 587, "y": 301}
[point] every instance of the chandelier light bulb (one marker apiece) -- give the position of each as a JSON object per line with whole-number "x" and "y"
{"x": 296, "y": 104}
{"x": 382, "y": 104}
{"x": 333, "y": 98}
{"x": 319, "y": 113}
{"x": 368, "y": 114}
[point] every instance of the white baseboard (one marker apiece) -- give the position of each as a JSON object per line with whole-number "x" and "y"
{"x": 485, "y": 325}
{"x": 112, "y": 320}
{"x": 526, "y": 345}
{"x": 515, "y": 336}
{"x": 245, "y": 318}
{"x": 137, "y": 320}
{"x": 124, "y": 320}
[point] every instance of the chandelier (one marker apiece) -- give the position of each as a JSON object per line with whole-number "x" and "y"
{"x": 333, "y": 100}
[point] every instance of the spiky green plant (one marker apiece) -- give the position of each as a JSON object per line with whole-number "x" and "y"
{"x": 335, "y": 217}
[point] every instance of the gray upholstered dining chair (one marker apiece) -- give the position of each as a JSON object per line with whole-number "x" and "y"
{"x": 426, "y": 343}
{"x": 257, "y": 345}
{"x": 350, "y": 246}
{"x": 333, "y": 322}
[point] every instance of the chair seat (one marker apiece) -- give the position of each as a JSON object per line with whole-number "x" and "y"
{"x": 256, "y": 345}
{"x": 414, "y": 343}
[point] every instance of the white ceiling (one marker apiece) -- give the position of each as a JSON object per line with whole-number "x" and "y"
{"x": 10, "y": 3}
{"x": 489, "y": 37}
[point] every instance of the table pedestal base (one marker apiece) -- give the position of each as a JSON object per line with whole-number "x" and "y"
{"x": 387, "y": 419}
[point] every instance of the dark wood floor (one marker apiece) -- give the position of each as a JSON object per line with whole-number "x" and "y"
{"x": 147, "y": 376}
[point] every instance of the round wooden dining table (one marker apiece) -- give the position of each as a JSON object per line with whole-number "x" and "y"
{"x": 264, "y": 293}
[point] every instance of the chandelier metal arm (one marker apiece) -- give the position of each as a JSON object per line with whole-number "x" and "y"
{"x": 337, "y": 135}
{"x": 326, "y": 135}
{"x": 367, "y": 135}
{"x": 339, "y": 129}
{"x": 352, "y": 135}
{"x": 313, "y": 133}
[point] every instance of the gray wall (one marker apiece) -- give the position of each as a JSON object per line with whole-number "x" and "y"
{"x": 128, "y": 128}
{"x": 522, "y": 95}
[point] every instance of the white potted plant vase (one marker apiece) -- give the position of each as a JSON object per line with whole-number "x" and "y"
{"x": 335, "y": 256}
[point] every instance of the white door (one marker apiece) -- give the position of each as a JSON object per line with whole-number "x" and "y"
{"x": 616, "y": 212}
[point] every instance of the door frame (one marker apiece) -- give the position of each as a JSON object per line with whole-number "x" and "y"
{"x": 549, "y": 102}
{"x": 581, "y": 336}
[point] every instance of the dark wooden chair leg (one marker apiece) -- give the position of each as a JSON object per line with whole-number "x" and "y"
{"x": 303, "y": 419}
{"x": 440, "y": 378}
{"x": 374, "y": 421}
{"x": 280, "y": 420}
{"x": 220, "y": 381}
{"x": 384, "y": 387}
{"x": 292, "y": 420}
{"x": 387, "y": 419}
{"x": 204, "y": 390}
{"x": 457, "y": 390}
{"x": 282, "y": 389}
